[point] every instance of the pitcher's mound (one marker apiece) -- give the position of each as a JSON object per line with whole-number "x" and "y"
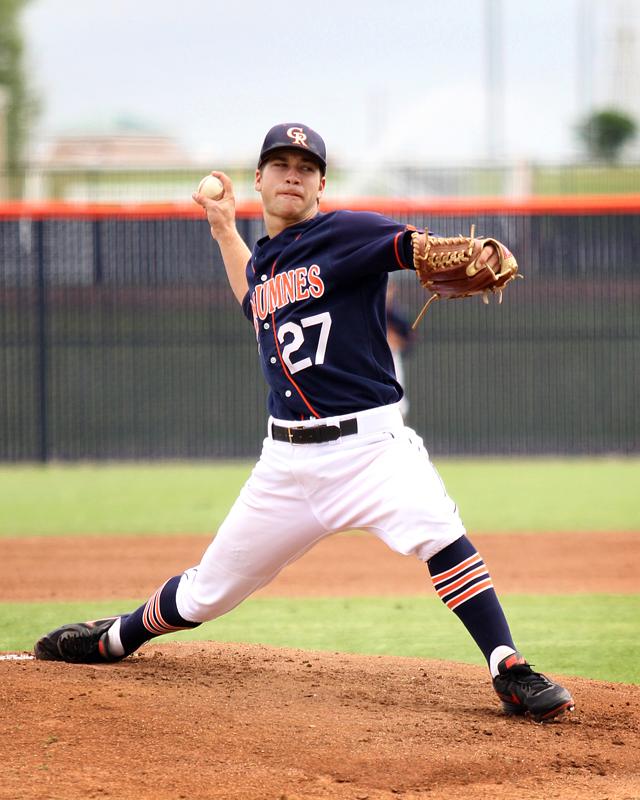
{"x": 242, "y": 722}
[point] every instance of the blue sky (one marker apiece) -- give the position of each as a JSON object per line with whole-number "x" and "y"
{"x": 380, "y": 81}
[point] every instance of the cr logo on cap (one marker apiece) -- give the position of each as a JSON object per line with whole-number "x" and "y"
{"x": 298, "y": 136}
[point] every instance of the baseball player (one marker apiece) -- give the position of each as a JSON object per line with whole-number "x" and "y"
{"x": 337, "y": 455}
{"x": 399, "y": 338}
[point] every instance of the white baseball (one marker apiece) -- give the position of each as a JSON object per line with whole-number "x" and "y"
{"x": 211, "y": 187}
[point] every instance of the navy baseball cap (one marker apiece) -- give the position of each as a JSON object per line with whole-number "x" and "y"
{"x": 294, "y": 135}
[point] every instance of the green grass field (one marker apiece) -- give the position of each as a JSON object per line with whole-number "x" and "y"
{"x": 595, "y": 636}
{"x": 494, "y": 495}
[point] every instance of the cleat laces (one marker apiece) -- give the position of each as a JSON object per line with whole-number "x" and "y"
{"x": 524, "y": 674}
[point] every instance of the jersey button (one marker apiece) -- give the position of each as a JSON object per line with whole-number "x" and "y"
{"x": 263, "y": 277}
{"x": 287, "y": 393}
{"x": 273, "y": 359}
{"x": 266, "y": 326}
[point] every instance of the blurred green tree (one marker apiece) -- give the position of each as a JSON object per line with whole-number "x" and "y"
{"x": 605, "y": 133}
{"x": 19, "y": 102}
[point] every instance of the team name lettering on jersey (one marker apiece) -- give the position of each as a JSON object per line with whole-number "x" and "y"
{"x": 285, "y": 288}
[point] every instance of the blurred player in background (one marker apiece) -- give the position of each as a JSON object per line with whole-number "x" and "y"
{"x": 400, "y": 338}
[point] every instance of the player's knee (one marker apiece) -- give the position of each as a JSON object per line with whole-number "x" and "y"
{"x": 203, "y": 610}
{"x": 202, "y": 601}
{"x": 429, "y": 549}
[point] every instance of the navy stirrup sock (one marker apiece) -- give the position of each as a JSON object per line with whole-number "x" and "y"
{"x": 157, "y": 616}
{"x": 463, "y": 583}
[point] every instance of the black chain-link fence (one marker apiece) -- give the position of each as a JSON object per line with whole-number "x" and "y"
{"x": 120, "y": 338}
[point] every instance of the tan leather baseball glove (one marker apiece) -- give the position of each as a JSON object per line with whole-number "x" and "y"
{"x": 448, "y": 267}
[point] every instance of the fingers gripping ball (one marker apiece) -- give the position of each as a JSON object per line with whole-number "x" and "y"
{"x": 211, "y": 187}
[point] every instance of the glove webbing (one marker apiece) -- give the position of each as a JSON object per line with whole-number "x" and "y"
{"x": 443, "y": 260}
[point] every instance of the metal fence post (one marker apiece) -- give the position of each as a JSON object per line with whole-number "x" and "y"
{"x": 42, "y": 344}
{"x": 97, "y": 253}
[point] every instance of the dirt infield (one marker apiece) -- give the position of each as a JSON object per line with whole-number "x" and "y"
{"x": 200, "y": 720}
{"x": 345, "y": 565}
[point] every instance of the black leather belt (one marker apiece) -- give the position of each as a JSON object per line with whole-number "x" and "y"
{"x": 315, "y": 434}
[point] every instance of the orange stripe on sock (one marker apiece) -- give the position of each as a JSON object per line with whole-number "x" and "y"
{"x": 161, "y": 622}
{"x": 479, "y": 587}
{"x": 450, "y": 587}
{"x": 149, "y": 617}
{"x": 474, "y": 559}
{"x": 152, "y": 618}
{"x": 146, "y": 618}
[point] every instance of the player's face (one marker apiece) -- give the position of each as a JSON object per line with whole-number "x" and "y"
{"x": 291, "y": 186}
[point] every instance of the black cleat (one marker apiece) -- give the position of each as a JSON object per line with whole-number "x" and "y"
{"x": 78, "y": 643}
{"x": 529, "y": 693}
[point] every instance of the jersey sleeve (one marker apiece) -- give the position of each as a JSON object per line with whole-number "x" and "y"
{"x": 246, "y": 300}
{"x": 364, "y": 242}
{"x": 246, "y": 306}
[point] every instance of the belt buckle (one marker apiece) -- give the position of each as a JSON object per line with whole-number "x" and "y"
{"x": 291, "y": 431}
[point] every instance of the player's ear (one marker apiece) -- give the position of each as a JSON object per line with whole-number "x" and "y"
{"x": 257, "y": 185}
{"x": 323, "y": 182}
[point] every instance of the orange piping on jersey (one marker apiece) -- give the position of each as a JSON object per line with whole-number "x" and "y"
{"x": 284, "y": 366}
{"x": 397, "y": 252}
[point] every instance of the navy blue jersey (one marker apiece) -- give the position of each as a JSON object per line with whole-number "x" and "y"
{"x": 317, "y": 296}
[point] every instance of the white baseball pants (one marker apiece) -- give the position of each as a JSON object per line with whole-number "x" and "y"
{"x": 379, "y": 480}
